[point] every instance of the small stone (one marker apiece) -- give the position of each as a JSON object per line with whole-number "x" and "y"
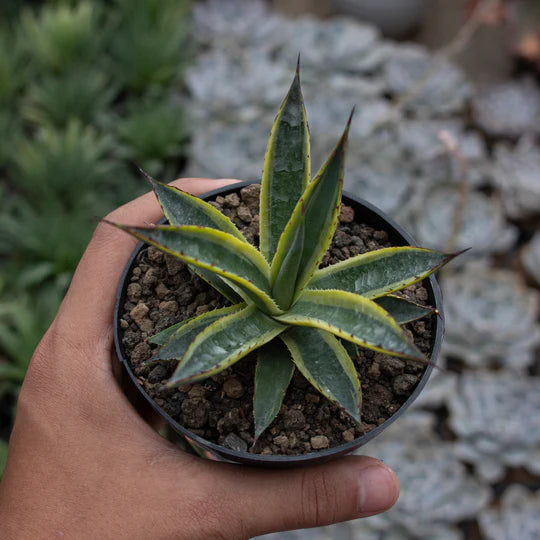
{"x": 141, "y": 352}
{"x": 174, "y": 265}
{"x": 348, "y": 435}
{"x": 232, "y": 200}
{"x": 157, "y": 374}
{"x": 134, "y": 292}
{"x": 150, "y": 278}
{"x": 200, "y": 310}
{"x": 220, "y": 200}
{"x": 374, "y": 370}
{"x": 161, "y": 291}
{"x": 293, "y": 440}
{"x": 233, "y": 388}
{"x": 140, "y": 315}
{"x": 154, "y": 255}
{"x": 234, "y": 442}
{"x": 294, "y": 419}
{"x": 195, "y": 412}
{"x": 168, "y": 308}
{"x": 341, "y": 239}
{"x": 319, "y": 441}
{"x": 312, "y": 398}
{"x": 244, "y": 213}
{"x": 346, "y": 214}
{"x": 421, "y": 294}
{"x": 124, "y": 324}
{"x": 197, "y": 391}
{"x": 403, "y": 384}
{"x": 184, "y": 296}
{"x": 381, "y": 236}
{"x": 282, "y": 441}
{"x": 250, "y": 195}
{"x": 392, "y": 366}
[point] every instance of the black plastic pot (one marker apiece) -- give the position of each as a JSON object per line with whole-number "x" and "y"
{"x": 365, "y": 213}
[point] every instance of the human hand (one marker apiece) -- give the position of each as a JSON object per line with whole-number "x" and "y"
{"x": 83, "y": 464}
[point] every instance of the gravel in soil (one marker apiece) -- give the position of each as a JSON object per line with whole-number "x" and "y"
{"x": 162, "y": 291}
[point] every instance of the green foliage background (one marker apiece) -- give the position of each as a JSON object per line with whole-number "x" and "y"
{"x": 86, "y": 89}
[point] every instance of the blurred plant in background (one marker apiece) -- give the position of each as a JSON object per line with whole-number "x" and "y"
{"x": 86, "y": 89}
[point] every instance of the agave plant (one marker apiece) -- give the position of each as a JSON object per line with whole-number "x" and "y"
{"x": 279, "y": 291}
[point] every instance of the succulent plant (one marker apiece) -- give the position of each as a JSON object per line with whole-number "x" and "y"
{"x": 515, "y": 172}
{"x": 482, "y": 225}
{"x": 279, "y": 291}
{"x": 508, "y": 109}
{"x": 491, "y": 317}
{"x": 495, "y": 417}
{"x": 517, "y": 517}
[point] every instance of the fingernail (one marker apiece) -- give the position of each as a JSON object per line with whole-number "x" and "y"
{"x": 379, "y": 489}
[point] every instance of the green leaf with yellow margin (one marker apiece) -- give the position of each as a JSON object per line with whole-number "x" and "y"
{"x": 223, "y": 343}
{"x": 351, "y": 317}
{"x": 380, "y": 272}
{"x": 403, "y": 310}
{"x": 286, "y": 170}
{"x": 324, "y": 362}
{"x": 175, "y": 343}
{"x": 273, "y": 374}
{"x": 182, "y": 208}
{"x": 216, "y": 251}
{"x": 317, "y": 213}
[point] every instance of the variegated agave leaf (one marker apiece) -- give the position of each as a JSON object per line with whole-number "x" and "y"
{"x": 380, "y": 272}
{"x": 286, "y": 171}
{"x": 308, "y": 234}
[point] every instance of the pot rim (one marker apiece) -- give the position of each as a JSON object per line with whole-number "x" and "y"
{"x": 279, "y": 460}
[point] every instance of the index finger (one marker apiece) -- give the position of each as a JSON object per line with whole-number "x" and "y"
{"x": 89, "y": 302}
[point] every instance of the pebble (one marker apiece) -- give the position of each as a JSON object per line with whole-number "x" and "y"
{"x": 169, "y": 307}
{"x": 154, "y": 255}
{"x": 341, "y": 239}
{"x": 294, "y": 419}
{"x": 234, "y": 442}
{"x": 319, "y": 441}
{"x": 134, "y": 292}
{"x": 381, "y": 236}
{"x": 124, "y": 324}
{"x": 233, "y": 388}
{"x": 403, "y": 384}
{"x": 195, "y": 412}
{"x": 421, "y": 294}
{"x": 174, "y": 265}
{"x": 250, "y": 195}
{"x": 157, "y": 374}
{"x": 244, "y": 213}
{"x": 346, "y": 214}
{"x": 197, "y": 391}
{"x": 161, "y": 291}
{"x": 282, "y": 441}
{"x": 232, "y": 200}
{"x": 391, "y": 366}
{"x": 140, "y": 315}
{"x": 348, "y": 435}
{"x": 150, "y": 278}
{"x": 141, "y": 352}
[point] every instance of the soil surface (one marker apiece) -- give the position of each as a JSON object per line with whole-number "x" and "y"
{"x": 162, "y": 291}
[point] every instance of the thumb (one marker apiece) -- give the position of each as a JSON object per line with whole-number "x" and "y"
{"x": 269, "y": 501}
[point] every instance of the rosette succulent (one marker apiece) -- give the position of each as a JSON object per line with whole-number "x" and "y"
{"x": 295, "y": 314}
